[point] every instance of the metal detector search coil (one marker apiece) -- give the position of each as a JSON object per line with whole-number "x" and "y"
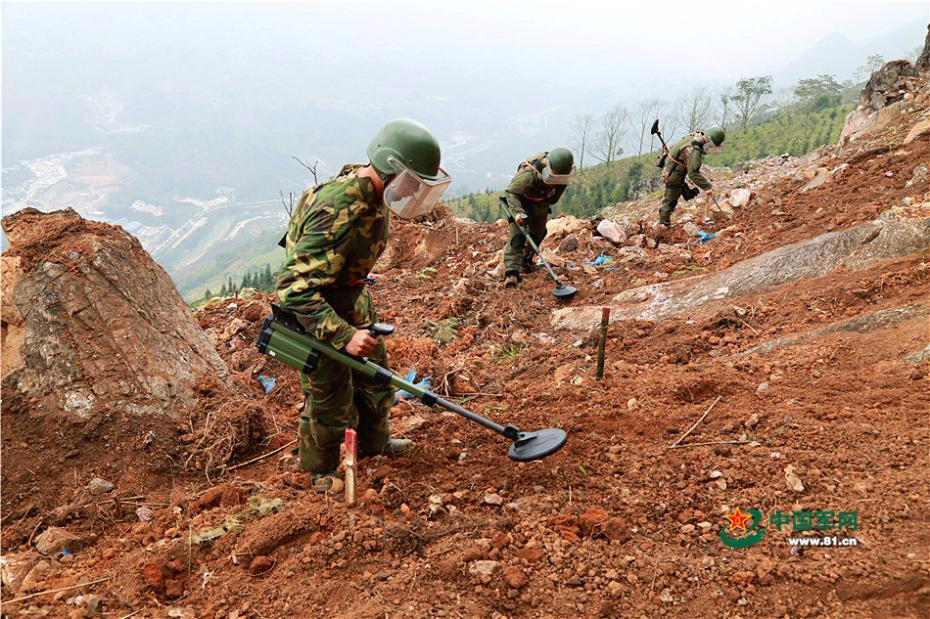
{"x": 282, "y": 337}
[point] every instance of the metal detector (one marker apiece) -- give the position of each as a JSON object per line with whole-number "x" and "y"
{"x": 282, "y": 337}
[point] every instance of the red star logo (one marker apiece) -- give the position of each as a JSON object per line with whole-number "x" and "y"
{"x": 737, "y": 520}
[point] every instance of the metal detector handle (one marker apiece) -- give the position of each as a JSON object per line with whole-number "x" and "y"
{"x": 513, "y": 220}
{"x": 381, "y": 328}
{"x": 286, "y": 341}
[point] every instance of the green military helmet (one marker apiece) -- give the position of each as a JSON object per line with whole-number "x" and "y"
{"x": 715, "y": 135}
{"x": 560, "y": 160}
{"x": 408, "y": 142}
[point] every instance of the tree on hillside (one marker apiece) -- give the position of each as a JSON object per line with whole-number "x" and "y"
{"x": 207, "y": 294}
{"x": 267, "y": 279}
{"x": 724, "y": 107}
{"x": 646, "y": 112}
{"x": 750, "y": 93}
{"x": 693, "y": 109}
{"x": 614, "y": 125}
{"x": 582, "y": 128}
{"x": 668, "y": 121}
{"x": 872, "y": 64}
{"x": 915, "y": 53}
{"x": 819, "y": 92}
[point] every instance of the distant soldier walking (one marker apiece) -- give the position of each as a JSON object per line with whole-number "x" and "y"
{"x": 538, "y": 184}
{"x": 336, "y": 233}
{"x": 684, "y": 160}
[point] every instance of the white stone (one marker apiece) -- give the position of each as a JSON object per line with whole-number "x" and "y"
{"x": 611, "y": 231}
{"x": 483, "y": 568}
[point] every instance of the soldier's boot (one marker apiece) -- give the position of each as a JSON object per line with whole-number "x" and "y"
{"x": 392, "y": 447}
{"x": 374, "y": 440}
{"x": 665, "y": 216}
{"x": 511, "y": 279}
{"x": 318, "y": 450}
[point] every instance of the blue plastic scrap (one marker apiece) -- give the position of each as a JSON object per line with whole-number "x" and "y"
{"x": 268, "y": 382}
{"x": 425, "y": 383}
{"x": 599, "y": 260}
{"x": 703, "y": 237}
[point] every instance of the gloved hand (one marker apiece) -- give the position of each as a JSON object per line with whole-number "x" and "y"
{"x": 520, "y": 217}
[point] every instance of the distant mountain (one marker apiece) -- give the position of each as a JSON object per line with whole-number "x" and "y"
{"x": 836, "y": 55}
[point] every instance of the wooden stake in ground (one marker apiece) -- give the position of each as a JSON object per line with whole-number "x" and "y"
{"x": 350, "y": 462}
{"x": 602, "y": 342}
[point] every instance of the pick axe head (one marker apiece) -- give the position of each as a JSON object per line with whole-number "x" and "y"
{"x": 655, "y": 127}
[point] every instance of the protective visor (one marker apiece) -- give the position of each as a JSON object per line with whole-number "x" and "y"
{"x": 551, "y": 178}
{"x": 409, "y": 196}
{"x": 709, "y": 146}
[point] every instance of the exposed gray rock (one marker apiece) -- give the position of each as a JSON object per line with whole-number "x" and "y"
{"x": 854, "y": 248}
{"x": 919, "y": 356}
{"x": 885, "y": 86}
{"x": 863, "y": 323}
{"x": 55, "y": 539}
{"x": 91, "y": 323}
{"x": 923, "y": 61}
{"x": 98, "y": 486}
{"x": 568, "y": 244}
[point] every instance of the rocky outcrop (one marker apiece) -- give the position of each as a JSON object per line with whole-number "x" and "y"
{"x": 92, "y": 325}
{"x": 863, "y": 323}
{"x": 884, "y": 97}
{"x": 853, "y": 248}
{"x": 923, "y": 61}
{"x": 888, "y": 85}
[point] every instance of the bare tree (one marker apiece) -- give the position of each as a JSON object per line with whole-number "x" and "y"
{"x": 669, "y": 122}
{"x": 614, "y": 125}
{"x": 750, "y": 93}
{"x": 646, "y": 112}
{"x": 289, "y": 203}
{"x": 872, "y": 64}
{"x": 312, "y": 168}
{"x": 582, "y": 128}
{"x": 694, "y": 109}
{"x": 724, "y": 107}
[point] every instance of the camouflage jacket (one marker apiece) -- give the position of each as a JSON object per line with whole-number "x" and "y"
{"x": 336, "y": 233}
{"x": 691, "y": 154}
{"x": 527, "y": 189}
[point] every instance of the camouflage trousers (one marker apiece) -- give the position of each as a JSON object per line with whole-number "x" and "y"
{"x": 337, "y": 397}
{"x": 518, "y": 254}
{"x": 669, "y": 202}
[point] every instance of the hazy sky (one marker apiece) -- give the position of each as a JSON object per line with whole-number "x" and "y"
{"x": 494, "y": 79}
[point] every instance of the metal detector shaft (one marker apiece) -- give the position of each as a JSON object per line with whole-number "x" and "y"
{"x": 301, "y": 352}
{"x": 513, "y": 220}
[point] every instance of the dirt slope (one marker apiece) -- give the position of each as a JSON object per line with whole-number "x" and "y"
{"x": 817, "y": 410}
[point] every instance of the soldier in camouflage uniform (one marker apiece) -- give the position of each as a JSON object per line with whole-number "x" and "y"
{"x": 538, "y": 184}
{"x": 335, "y": 235}
{"x": 684, "y": 160}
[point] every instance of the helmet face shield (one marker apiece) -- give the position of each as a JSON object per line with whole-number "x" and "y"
{"x": 709, "y": 146}
{"x": 550, "y": 177}
{"x": 409, "y": 196}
